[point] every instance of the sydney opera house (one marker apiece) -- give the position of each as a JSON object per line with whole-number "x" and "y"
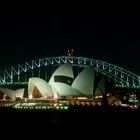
{"x": 62, "y": 84}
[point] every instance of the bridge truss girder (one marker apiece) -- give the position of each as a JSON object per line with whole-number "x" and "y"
{"x": 114, "y": 72}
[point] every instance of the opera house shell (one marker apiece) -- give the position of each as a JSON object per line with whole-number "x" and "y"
{"x": 61, "y": 84}
{"x": 10, "y": 94}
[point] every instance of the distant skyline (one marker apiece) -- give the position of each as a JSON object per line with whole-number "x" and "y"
{"x": 114, "y": 39}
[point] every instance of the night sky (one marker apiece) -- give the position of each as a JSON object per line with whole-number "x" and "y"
{"x": 114, "y": 39}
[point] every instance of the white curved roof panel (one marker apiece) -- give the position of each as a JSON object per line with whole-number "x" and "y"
{"x": 43, "y": 87}
{"x": 63, "y": 70}
{"x": 19, "y": 92}
{"x": 9, "y": 92}
{"x": 84, "y": 82}
{"x": 65, "y": 90}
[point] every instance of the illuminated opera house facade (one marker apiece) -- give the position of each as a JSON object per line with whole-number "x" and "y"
{"x": 62, "y": 84}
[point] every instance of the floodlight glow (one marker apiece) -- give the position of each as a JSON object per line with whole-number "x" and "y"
{"x": 66, "y": 107}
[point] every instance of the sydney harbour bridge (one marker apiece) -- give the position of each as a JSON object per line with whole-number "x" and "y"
{"x": 44, "y": 67}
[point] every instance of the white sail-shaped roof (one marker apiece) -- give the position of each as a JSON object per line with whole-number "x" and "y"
{"x": 84, "y": 82}
{"x": 43, "y": 87}
{"x": 63, "y": 70}
{"x": 100, "y": 90}
{"x": 65, "y": 89}
{"x": 9, "y": 92}
{"x": 55, "y": 93}
{"x": 19, "y": 92}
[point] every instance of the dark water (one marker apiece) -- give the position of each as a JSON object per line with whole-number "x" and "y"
{"x": 67, "y": 124}
{"x": 67, "y": 117}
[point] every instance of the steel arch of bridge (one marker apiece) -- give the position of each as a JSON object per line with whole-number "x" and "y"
{"x": 118, "y": 74}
